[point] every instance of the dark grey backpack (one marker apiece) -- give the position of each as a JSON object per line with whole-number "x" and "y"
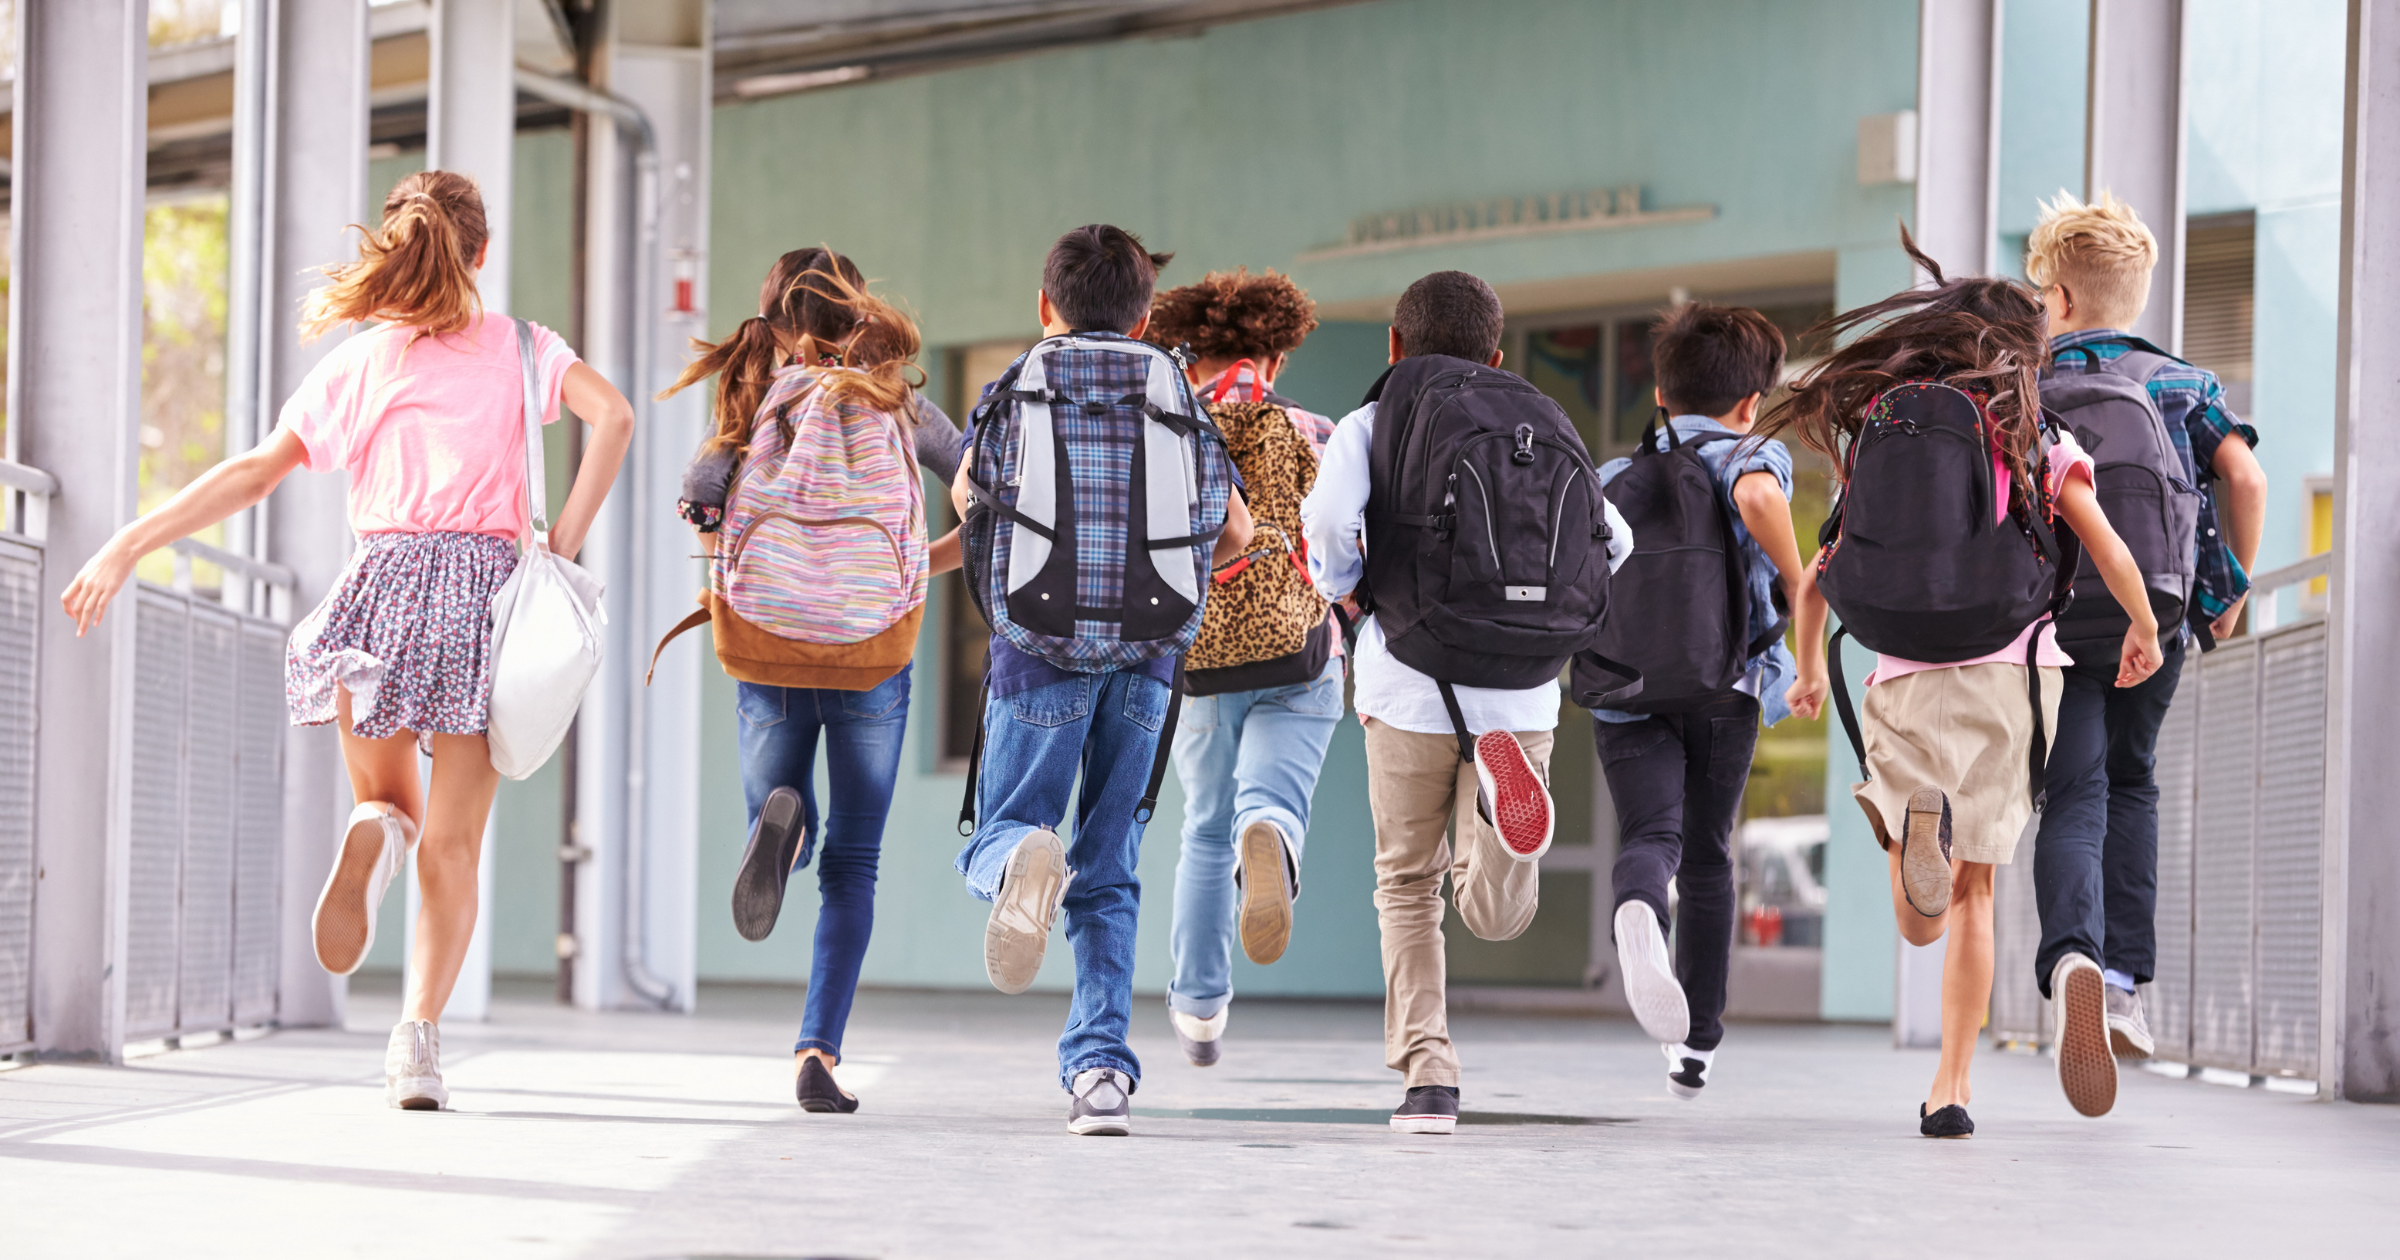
{"x": 2144, "y": 485}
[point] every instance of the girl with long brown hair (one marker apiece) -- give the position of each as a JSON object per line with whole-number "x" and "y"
{"x": 425, "y": 411}
{"x": 822, "y": 351}
{"x": 1946, "y": 742}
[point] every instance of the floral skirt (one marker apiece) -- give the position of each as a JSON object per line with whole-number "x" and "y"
{"x": 408, "y": 632}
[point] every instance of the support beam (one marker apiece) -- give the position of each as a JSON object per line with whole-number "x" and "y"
{"x": 471, "y": 115}
{"x": 2134, "y": 138}
{"x": 2361, "y": 985}
{"x": 315, "y": 185}
{"x": 1958, "y": 133}
{"x": 74, "y": 408}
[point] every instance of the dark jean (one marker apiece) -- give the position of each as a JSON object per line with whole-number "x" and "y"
{"x": 862, "y": 731}
{"x": 1677, "y": 781}
{"x": 1106, "y": 726}
{"x": 2095, "y": 859}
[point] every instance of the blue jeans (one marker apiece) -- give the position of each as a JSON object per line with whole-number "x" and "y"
{"x": 1105, "y": 725}
{"x": 862, "y": 732}
{"x": 2095, "y": 859}
{"x": 1244, "y": 757}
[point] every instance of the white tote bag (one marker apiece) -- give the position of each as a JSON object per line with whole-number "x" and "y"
{"x": 545, "y": 621}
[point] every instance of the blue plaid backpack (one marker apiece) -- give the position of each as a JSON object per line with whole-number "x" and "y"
{"x": 1099, "y": 486}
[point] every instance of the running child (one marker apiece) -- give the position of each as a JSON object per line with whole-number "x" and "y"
{"x": 1944, "y": 554}
{"x": 1264, "y": 679}
{"x": 425, "y": 411}
{"x": 1096, "y": 497}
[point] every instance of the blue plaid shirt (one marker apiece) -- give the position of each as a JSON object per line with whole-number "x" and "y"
{"x": 2197, "y": 421}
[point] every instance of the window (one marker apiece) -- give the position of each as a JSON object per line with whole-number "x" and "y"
{"x": 966, "y": 639}
{"x": 2219, "y": 256}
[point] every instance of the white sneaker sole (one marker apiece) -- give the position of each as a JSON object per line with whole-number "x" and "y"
{"x": 1018, "y": 933}
{"x": 1101, "y": 1126}
{"x": 1424, "y": 1124}
{"x": 417, "y": 1093}
{"x": 343, "y": 925}
{"x": 2087, "y": 1072}
{"x": 1650, "y": 985}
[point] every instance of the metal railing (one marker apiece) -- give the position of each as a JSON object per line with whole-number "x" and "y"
{"x": 24, "y": 516}
{"x": 2241, "y": 780}
{"x": 207, "y": 818}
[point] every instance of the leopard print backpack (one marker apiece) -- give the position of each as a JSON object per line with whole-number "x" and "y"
{"x": 1265, "y": 624}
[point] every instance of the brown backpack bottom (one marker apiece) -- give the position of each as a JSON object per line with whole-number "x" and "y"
{"x": 752, "y": 655}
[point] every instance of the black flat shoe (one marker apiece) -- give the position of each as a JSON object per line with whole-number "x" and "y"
{"x": 767, "y": 864}
{"x": 818, "y": 1093}
{"x": 1949, "y": 1122}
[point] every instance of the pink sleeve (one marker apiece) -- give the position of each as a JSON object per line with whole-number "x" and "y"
{"x": 2066, "y": 456}
{"x": 320, "y": 412}
{"x": 553, "y": 357}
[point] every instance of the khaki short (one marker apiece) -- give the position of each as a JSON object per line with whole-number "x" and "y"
{"x": 1966, "y": 730}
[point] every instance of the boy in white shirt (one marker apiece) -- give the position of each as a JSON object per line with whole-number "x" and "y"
{"x": 1418, "y": 783}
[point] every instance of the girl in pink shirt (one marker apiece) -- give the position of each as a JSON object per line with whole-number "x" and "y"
{"x": 1948, "y": 786}
{"x": 425, "y": 411}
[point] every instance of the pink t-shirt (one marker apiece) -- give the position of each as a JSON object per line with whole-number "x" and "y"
{"x": 432, "y": 433}
{"x": 2067, "y": 458}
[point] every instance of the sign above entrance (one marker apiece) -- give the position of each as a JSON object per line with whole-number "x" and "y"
{"x": 1465, "y": 221}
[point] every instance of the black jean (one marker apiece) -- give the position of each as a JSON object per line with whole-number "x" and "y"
{"x": 1677, "y": 781}
{"x": 2095, "y": 859}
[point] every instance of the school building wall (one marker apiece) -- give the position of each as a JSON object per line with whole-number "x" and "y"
{"x": 1256, "y": 143}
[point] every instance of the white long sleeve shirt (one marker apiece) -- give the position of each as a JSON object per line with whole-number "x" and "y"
{"x": 1334, "y": 517}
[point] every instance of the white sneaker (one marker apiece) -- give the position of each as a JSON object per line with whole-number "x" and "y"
{"x": 1198, "y": 1037}
{"x": 1101, "y": 1104}
{"x": 1018, "y": 933}
{"x": 1650, "y": 984}
{"x": 374, "y": 844}
{"x": 1687, "y": 1070}
{"x": 412, "y": 1067}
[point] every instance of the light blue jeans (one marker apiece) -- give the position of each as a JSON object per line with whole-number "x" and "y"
{"x": 1102, "y": 728}
{"x": 1244, "y": 757}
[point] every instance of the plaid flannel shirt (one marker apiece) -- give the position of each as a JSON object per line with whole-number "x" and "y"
{"x": 2193, "y": 404}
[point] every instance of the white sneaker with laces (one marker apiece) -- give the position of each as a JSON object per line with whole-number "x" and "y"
{"x": 1031, "y": 889}
{"x": 1102, "y": 1105}
{"x": 412, "y": 1067}
{"x": 1649, "y": 970}
{"x": 374, "y": 844}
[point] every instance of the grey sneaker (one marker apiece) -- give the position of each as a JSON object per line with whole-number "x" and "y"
{"x": 1925, "y": 852}
{"x": 2128, "y": 1027}
{"x": 1427, "y": 1109}
{"x": 1198, "y": 1037}
{"x": 2087, "y": 1072}
{"x": 1102, "y": 1104}
{"x": 1019, "y": 929}
{"x": 412, "y": 1067}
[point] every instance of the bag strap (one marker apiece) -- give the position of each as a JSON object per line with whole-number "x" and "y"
{"x": 966, "y": 804}
{"x": 1458, "y": 721}
{"x": 1166, "y": 748}
{"x": 693, "y": 622}
{"x": 2036, "y": 754}
{"x": 537, "y": 478}
{"x": 1841, "y": 698}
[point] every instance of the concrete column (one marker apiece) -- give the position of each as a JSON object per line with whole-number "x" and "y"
{"x": 314, "y": 185}
{"x": 2362, "y": 865}
{"x": 2133, "y": 138}
{"x": 471, "y": 115}
{"x": 74, "y": 384}
{"x": 1958, "y": 133}
{"x": 637, "y": 790}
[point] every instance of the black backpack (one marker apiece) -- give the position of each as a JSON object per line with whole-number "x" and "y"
{"x": 1913, "y": 561}
{"x": 1487, "y": 541}
{"x": 2141, "y": 481}
{"x": 1688, "y": 578}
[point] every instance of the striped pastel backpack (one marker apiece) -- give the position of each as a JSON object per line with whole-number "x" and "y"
{"x": 1100, "y": 486}
{"x": 820, "y": 570}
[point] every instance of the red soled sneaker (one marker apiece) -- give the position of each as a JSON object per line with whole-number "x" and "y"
{"x": 1510, "y": 796}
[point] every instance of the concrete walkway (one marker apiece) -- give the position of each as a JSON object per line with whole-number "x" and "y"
{"x": 651, "y": 1136}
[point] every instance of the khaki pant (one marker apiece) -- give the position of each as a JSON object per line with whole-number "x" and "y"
{"x": 1418, "y": 789}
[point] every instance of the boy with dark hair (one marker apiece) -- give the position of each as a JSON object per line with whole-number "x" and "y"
{"x": 1676, "y": 765}
{"x": 1092, "y": 566}
{"x": 1421, "y": 782}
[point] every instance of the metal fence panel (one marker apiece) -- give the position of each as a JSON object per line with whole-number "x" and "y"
{"x": 2223, "y": 899}
{"x": 257, "y": 880}
{"x": 2018, "y": 1011}
{"x": 205, "y": 988}
{"x": 162, "y": 636}
{"x": 2167, "y": 999}
{"x": 20, "y": 596}
{"x": 2291, "y": 830}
